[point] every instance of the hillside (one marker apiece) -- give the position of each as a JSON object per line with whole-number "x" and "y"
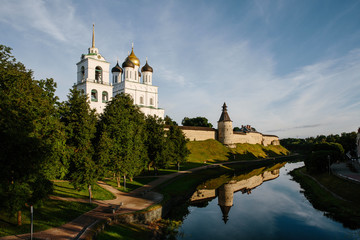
{"x": 214, "y": 151}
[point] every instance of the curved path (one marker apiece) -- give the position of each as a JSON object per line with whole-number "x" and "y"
{"x": 136, "y": 200}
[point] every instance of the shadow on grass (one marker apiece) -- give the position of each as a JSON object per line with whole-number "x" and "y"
{"x": 63, "y": 193}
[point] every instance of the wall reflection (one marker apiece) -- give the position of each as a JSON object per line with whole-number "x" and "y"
{"x": 225, "y": 193}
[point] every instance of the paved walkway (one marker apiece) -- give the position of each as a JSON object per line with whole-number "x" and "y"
{"x": 342, "y": 170}
{"x": 136, "y": 200}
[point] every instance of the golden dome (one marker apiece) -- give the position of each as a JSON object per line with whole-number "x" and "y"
{"x": 132, "y": 57}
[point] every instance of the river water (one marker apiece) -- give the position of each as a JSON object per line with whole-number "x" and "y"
{"x": 267, "y": 206}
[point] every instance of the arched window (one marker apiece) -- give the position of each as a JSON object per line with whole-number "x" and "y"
{"x": 116, "y": 79}
{"x": 94, "y": 96}
{"x": 98, "y": 74}
{"x": 151, "y": 101}
{"x": 105, "y": 97}
{"x": 82, "y": 73}
{"x": 141, "y": 100}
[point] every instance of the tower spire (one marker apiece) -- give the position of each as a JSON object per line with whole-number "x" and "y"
{"x": 93, "y": 37}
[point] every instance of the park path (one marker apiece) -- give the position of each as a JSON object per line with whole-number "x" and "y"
{"x": 342, "y": 170}
{"x": 136, "y": 200}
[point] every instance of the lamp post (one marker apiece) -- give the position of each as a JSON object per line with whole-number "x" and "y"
{"x": 31, "y": 224}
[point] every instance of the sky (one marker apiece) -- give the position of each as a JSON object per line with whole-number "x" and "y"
{"x": 286, "y": 67}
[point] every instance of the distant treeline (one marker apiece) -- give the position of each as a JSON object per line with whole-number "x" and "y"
{"x": 305, "y": 145}
{"x": 322, "y": 151}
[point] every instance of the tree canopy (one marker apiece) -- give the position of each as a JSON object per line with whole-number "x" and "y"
{"x": 31, "y": 137}
{"x": 198, "y": 122}
{"x": 80, "y": 127}
{"x": 122, "y": 124}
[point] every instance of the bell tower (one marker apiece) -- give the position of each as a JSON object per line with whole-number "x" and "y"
{"x": 93, "y": 77}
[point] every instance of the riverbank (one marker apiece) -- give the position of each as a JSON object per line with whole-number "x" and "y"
{"x": 339, "y": 198}
{"x": 178, "y": 190}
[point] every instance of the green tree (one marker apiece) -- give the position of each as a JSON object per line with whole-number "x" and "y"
{"x": 236, "y": 129}
{"x": 123, "y": 124}
{"x": 176, "y": 146}
{"x": 155, "y": 143}
{"x": 168, "y": 121}
{"x": 80, "y": 122}
{"x": 197, "y": 122}
{"x": 322, "y": 156}
{"x": 31, "y": 136}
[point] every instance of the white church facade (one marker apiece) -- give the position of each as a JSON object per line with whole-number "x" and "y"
{"x": 93, "y": 77}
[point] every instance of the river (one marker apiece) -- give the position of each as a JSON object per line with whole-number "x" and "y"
{"x": 266, "y": 206}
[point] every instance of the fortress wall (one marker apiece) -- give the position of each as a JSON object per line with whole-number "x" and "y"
{"x": 270, "y": 140}
{"x": 240, "y": 138}
{"x": 205, "y": 133}
{"x": 252, "y": 138}
{"x": 198, "y": 133}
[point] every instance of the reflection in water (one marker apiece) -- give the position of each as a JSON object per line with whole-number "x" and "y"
{"x": 225, "y": 193}
{"x": 275, "y": 210}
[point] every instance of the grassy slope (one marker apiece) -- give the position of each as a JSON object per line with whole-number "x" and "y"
{"x": 214, "y": 151}
{"x": 52, "y": 214}
{"x": 65, "y": 189}
{"x": 124, "y": 231}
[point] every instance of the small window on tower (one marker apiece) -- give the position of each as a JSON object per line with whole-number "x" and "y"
{"x": 151, "y": 101}
{"x": 105, "y": 97}
{"x": 94, "y": 97}
{"x": 141, "y": 100}
{"x": 116, "y": 79}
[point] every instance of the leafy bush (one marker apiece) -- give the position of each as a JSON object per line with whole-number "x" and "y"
{"x": 323, "y": 155}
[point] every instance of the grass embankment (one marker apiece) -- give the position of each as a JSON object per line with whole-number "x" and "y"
{"x": 346, "y": 211}
{"x": 53, "y": 213}
{"x": 211, "y": 151}
{"x": 125, "y": 231}
{"x": 65, "y": 189}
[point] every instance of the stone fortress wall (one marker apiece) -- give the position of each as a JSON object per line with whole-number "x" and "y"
{"x": 226, "y": 135}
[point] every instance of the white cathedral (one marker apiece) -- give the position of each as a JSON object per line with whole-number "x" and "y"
{"x": 93, "y": 78}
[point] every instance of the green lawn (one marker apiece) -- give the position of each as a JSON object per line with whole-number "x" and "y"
{"x": 130, "y": 186}
{"x": 52, "y": 214}
{"x": 126, "y": 232}
{"x": 347, "y": 212}
{"x": 65, "y": 189}
{"x": 211, "y": 151}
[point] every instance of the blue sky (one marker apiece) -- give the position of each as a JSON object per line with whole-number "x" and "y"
{"x": 290, "y": 68}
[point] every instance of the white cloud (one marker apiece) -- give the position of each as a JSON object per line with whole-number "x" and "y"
{"x": 36, "y": 19}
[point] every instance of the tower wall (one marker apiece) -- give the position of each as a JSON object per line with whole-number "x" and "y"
{"x": 226, "y": 195}
{"x": 225, "y": 132}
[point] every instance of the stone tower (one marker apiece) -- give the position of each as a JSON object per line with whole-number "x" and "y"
{"x": 225, "y": 199}
{"x": 93, "y": 77}
{"x": 225, "y": 129}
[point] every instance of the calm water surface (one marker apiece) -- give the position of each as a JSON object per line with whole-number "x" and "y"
{"x": 276, "y": 209}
